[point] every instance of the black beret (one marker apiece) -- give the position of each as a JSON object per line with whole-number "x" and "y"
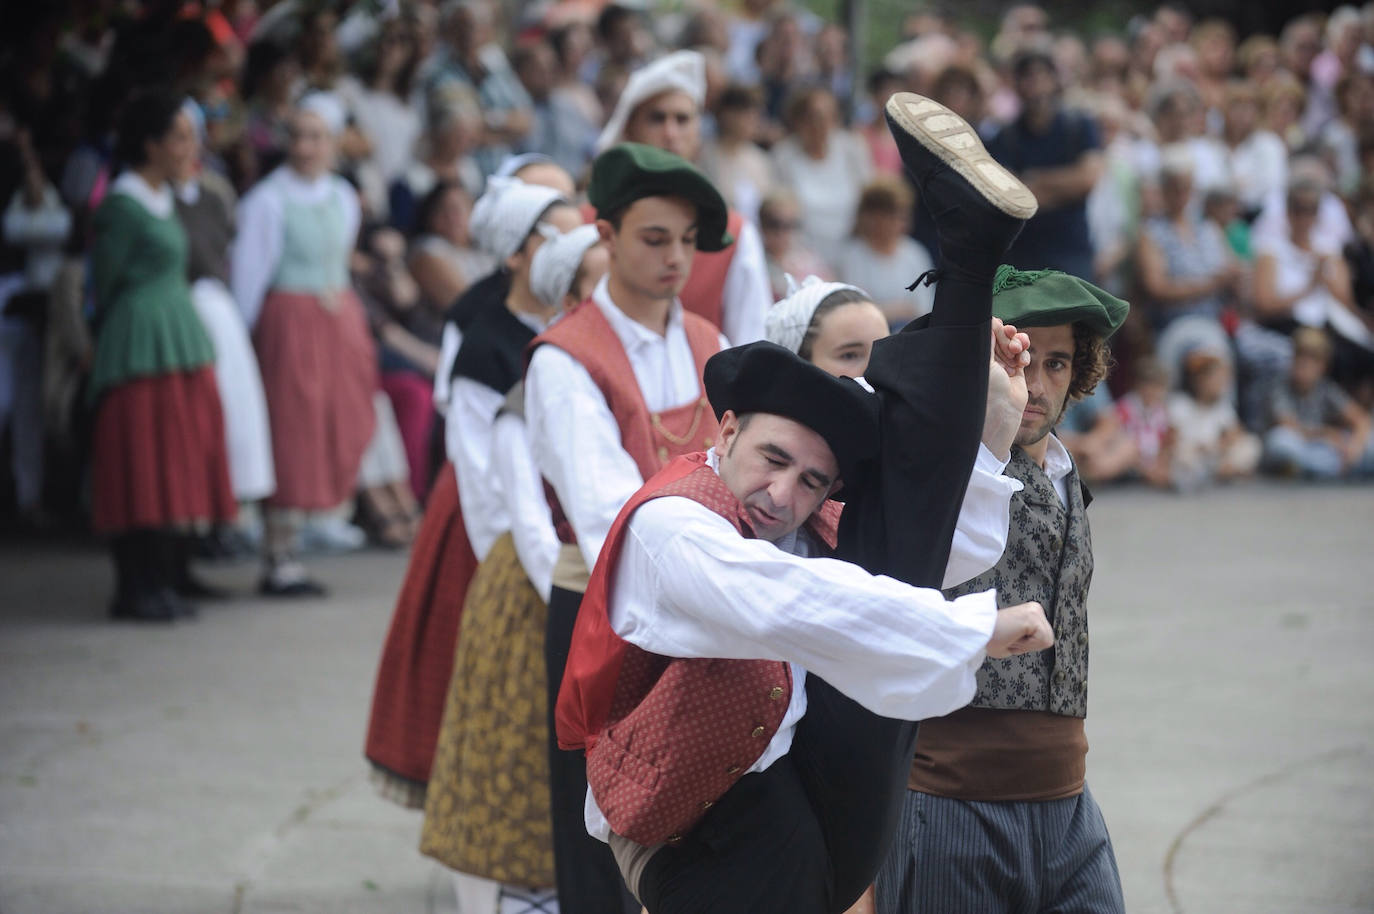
{"x": 631, "y": 171}
{"x": 764, "y": 377}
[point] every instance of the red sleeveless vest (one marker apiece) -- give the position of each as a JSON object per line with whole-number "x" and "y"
{"x": 650, "y": 438}
{"x": 705, "y": 289}
{"x": 667, "y": 737}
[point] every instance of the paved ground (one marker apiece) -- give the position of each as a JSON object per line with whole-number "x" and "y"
{"x": 215, "y": 766}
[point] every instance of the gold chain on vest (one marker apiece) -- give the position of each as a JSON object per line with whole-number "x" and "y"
{"x": 691, "y": 432}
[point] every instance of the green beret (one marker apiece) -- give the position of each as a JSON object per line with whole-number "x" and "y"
{"x": 631, "y": 171}
{"x": 1049, "y": 298}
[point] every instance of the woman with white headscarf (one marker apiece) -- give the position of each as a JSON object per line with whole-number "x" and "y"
{"x": 487, "y": 809}
{"x": 319, "y": 365}
{"x": 832, "y": 325}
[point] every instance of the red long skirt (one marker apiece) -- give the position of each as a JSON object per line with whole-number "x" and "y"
{"x": 158, "y": 457}
{"x": 417, "y": 659}
{"x": 319, "y": 371}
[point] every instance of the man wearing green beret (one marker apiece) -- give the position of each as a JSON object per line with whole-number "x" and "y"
{"x": 614, "y": 391}
{"x": 998, "y": 816}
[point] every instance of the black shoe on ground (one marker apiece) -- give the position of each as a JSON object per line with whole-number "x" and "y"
{"x": 978, "y": 206}
{"x": 192, "y": 587}
{"x": 289, "y": 579}
{"x": 141, "y": 607}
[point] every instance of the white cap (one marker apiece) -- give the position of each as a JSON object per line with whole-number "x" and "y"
{"x": 555, "y": 263}
{"x": 505, "y": 215}
{"x": 327, "y": 107}
{"x": 680, "y": 71}
{"x": 787, "y": 320}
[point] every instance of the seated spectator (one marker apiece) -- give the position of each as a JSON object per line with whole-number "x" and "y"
{"x": 824, "y": 165}
{"x": 1303, "y": 280}
{"x": 1186, "y": 267}
{"x": 1315, "y": 429}
{"x": 779, "y": 225}
{"x": 1209, "y": 441}
{"x": 269, "y": 77}
{"x": 883, "y": 257}
{"x": 445, "y": 155}
{"x": 1221, "y": 208}
{"x": 733, "y": 161}
{"x": 561, "y": 128}
{"x": 1093, "y": 434}
{"x": 882, "y": 148}
{"x": 443, "y": 257}
{"x": 1144, "y": 419}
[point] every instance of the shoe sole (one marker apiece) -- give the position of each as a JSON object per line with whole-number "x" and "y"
{"x": 950, "y": 138}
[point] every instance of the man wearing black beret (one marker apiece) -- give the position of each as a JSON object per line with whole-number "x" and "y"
{"x": 708, "y": 612}
{"x": 998, "y": 816}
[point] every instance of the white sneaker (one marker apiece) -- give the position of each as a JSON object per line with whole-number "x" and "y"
{"x": 329, "y": 533}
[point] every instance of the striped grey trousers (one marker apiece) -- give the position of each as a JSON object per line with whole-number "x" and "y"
{"x": 962, "y": 857}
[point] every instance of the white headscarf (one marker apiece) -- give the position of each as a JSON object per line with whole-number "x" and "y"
{"x": 787, "y": 320}
{"x": 327, "y": 107}
{"x": 505, "y": 215}
{"x": 555, "y": 263}
{"x": 681, "y": 71}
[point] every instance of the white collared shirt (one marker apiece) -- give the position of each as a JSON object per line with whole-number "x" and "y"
{"x": 747, "y": 294}
{"x": 688, "y": 585}
{"x": 573, "y": 435}
{"x": 1058, "y": 465}
{"x": 516, "y": 485}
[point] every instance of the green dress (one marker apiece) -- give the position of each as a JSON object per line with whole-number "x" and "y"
{"x": 145, "y": 323}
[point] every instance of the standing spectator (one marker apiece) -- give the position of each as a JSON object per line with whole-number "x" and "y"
{"x": 561, "y": 129}
{"x": 269, "y": 74}
{"x": 780, "y": 225}
{"x": 1056, "y": 152}
{"x": 379, "y": 102}
{"x": 825, "y": 165}
{"x": 883, "y": 257}
{"x": 472, "y": 62}
{"x": 319, "y": 366}
{"x": 1186, "y": 266}
{"x": 1315, "y": 429}
{"x": 157, "y": 451}
{"x": 37, "y": 225}
{"x": 1256, "y": 153}
{"x": 732, "y": 160}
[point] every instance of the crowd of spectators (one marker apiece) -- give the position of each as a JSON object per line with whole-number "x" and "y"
{"x": 1219, "y": 184}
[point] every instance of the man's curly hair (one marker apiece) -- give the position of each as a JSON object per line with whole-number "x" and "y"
{"x": 1091, "y": 361}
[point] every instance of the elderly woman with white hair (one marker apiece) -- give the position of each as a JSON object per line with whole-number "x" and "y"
{"x": 319, "y": 365}
{"x": 487, "y": 808}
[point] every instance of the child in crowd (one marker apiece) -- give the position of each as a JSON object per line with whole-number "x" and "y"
{"x": 1209, "y": 441}
{"x": 1145, "y": 419}
{"x": 883, "y": 257}
{"x": 1315, "y": 428}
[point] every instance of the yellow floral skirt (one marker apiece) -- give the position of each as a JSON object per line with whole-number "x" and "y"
{"x": 487, "y": 807}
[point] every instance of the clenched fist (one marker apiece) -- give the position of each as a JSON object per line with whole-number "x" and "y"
{"x": 1020, "y": 630}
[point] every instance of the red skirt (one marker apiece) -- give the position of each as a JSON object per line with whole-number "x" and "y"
{"x": 158, "y": 457}
{"x": 417, "y": 659}
{"x": 319, "y": 371}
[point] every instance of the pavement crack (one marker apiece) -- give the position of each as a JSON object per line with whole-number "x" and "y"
{"x": 1218, "y": 806}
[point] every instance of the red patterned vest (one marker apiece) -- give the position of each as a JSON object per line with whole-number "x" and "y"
{"x": 702, "y": 295}
{"x": 650, "y": 438}
{"x": 667, "y": 737}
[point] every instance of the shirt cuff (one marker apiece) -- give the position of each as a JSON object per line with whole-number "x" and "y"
{"x": 987, "y": 463}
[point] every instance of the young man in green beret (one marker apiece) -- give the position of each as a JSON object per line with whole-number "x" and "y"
{"x": 998, "y": 816}
{"x": 613, "y": 391}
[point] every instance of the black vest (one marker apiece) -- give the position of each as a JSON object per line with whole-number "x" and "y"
{"x": 1048, "y": 559}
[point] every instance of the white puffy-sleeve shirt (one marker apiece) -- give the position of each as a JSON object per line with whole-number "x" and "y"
{"x": 688, "y": 585}
{"x": 257, "y": 249}
{"x": 521, "y": 492}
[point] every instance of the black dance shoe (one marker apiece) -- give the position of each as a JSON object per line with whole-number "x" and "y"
{"x": 141, "y": 607}
{"x": 978, "y": 206}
